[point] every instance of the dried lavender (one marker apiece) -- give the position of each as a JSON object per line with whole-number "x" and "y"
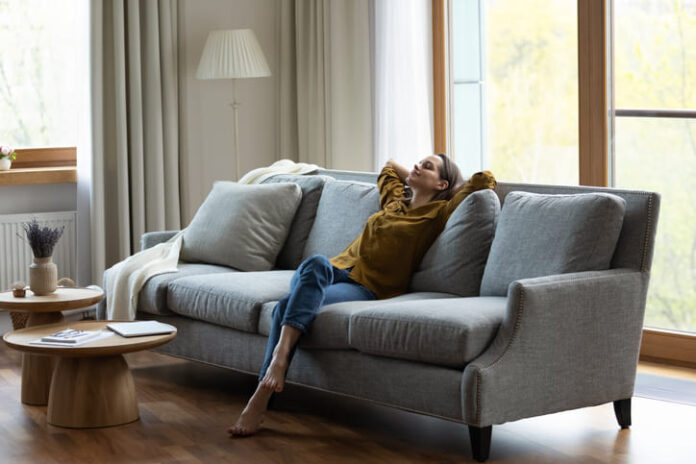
{"x": 42, "y": 240}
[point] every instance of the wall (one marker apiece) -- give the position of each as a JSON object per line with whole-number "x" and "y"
{"x": 42, "y": 198}
{"x": 206, "y": 118}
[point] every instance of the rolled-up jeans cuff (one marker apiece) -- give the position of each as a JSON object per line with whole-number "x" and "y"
{"x": 299, "y": 326}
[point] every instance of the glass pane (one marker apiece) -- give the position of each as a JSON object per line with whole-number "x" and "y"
{"x": 466, "y": 40}
{"x": 467, "y": 122}
{"x": 660, "y": 155}
{"x": 654, "y": 53}
{"x": 38, "y": 72}
{"x": 532, "y": 90}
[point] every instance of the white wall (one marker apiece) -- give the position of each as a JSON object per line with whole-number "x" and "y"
{"x": 207, "y": 130}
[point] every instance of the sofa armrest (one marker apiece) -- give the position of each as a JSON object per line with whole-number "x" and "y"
{"x": 150, "y": 239}
{"x": 567, "y": 341}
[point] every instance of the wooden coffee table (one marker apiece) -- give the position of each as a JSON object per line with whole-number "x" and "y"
{"x": 37, "y": 370}
{"x": 92, "y": 385}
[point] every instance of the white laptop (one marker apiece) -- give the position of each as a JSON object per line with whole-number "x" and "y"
{"x": 140, "y": 328}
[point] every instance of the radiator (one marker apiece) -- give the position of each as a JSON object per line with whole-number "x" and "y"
{"x": 16, "y": 255}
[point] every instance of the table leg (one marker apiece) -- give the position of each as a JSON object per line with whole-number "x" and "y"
{"x": 92, "y": 392}
{"x": 37, "y": 370}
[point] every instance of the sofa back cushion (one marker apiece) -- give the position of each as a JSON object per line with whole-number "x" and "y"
{"x": 636, "y": 244}
{"x": 541, "y": 235}
{"x": 343, "y": 210}
{"x": 241, "y": 226}
{"x": 455, "y": 261}
{"x": 290, "y": 255}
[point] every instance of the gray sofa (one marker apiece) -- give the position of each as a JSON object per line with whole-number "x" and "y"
{"x": 548, "y": 343}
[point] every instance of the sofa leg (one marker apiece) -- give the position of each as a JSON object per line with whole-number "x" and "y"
{"x": 480, "y": 442}
{"x": 622, "y": 409}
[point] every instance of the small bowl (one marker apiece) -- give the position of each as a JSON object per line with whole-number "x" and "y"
{"x": 19, "y": 292}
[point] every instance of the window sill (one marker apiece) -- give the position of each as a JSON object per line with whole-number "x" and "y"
{"x": 669, "y": 347}
{"x": 45, "y": 175}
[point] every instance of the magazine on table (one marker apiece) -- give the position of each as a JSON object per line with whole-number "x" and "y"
{"x": 140, "y": 328}
{"x": 71, "y": 336}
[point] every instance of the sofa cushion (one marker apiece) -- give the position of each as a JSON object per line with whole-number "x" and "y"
{"x": 290, "y": 255}
{"x": 450, "y": 332}
{"x": 343, "y": 210}
{"x": 540, "y": 235}
{"x": 454, "y": 263}
{"x": 232, "y": 299}
{"x": 241, "y": 226}
{"x": 153, "y": 296}
{"x": 330, "y": 328}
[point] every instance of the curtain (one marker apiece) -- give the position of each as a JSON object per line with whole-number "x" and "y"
{"x": 403, "y": 81}
{"x": 135, "y": 148}
{"x": 325, "y": 83}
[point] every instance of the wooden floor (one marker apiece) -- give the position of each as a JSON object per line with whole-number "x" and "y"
{"x": 185, "y": 408}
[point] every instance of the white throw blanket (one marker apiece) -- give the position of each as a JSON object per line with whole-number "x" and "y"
{"x": 125, "y": 279}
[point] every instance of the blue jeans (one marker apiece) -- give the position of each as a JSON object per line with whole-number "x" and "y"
{"x": 316, "y": 283}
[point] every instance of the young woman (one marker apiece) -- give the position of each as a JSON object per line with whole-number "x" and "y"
{"x": 378, "y": 264}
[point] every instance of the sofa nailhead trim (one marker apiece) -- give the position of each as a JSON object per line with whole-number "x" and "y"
{"x": 515, "y": 331}
{"x": 648, "y": 228}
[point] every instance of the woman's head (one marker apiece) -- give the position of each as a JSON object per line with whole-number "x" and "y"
{"x": 437, "y": 174}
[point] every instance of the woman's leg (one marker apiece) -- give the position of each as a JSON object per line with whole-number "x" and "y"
{"x": 297, "y": 319}
{"x": 311, "y": 277}
{"x": 251, "y": 417}
{"x": 307, "y": 291}
{"x": 289, "y": 322}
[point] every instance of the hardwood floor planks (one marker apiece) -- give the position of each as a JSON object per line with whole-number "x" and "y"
{"x": 186, "y": 407}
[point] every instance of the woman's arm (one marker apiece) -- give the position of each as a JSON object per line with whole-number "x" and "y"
{"x": 401, "y": 171}
{"x": 391, "y": 182}
{"x": 479, "y": 181}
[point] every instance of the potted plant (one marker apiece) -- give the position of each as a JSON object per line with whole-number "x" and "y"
{"x": 7, "y": 156}
{"x": 43, "y": 274}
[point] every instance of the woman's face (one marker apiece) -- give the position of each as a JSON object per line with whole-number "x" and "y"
{"x": 425, "y": 175}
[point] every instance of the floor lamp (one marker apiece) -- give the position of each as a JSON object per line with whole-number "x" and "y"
{"x": 232, "y": 54}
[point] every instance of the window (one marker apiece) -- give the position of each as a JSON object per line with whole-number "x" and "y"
{"x": 643, "y": 51}
{"x": 39, "y": 81}
{"x": 655, "y": 141}
{"x": 515, "y": 92}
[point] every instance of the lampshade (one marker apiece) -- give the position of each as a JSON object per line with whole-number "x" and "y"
{"x": 231, "y": 54}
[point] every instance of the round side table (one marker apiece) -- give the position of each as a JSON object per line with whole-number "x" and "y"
{"x": 37, "y": 370}
{"x": 92, "y": 385}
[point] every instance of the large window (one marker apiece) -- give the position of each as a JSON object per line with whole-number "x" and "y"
{"x": 39, "y": 80}
{"x": 655, "y": 141}
{"x": 515, "y": 92}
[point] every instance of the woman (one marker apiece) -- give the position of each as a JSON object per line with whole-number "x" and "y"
{"x": 378, "y": 264}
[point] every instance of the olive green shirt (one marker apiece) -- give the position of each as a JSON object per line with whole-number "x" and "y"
{"x": 395, "y": 239}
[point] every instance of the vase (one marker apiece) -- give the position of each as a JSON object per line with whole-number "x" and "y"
{"x": 5, "y": 164}
{"x": 43, "y": 276}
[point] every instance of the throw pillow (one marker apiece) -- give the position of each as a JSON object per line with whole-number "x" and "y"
{"x": 540, "y": 235}
{"x": 343, "y": 210}
{"x": 241, "y": 226}
{"x": 454, "y": 263}
{"x": 290, "y": 256}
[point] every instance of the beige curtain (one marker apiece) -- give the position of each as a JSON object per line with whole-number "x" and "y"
{"x": 135, "y": 163}
{"x": 325, "y": 83}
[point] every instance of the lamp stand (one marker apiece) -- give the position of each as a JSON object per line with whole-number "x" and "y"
{"x": 234, "y": 106}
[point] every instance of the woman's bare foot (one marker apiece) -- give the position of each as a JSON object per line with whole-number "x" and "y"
{"x": 251, "y": 418}
{"x": 274, "y": 379}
